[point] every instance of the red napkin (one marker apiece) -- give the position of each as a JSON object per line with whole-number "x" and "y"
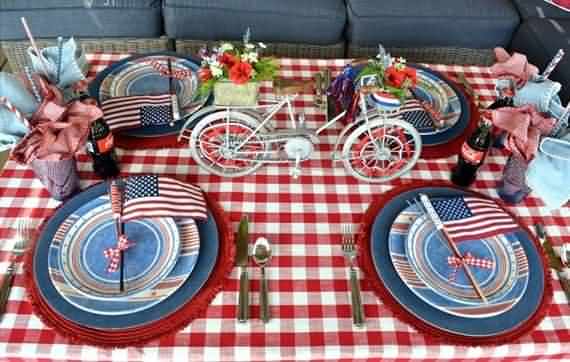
{"x": 524, "y": 126}
{"x": 514, "y": 67}
{"x": 58, "y": 130}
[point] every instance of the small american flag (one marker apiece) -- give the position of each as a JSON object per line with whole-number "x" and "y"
{"x": 137, "y": 111}
{"x": 156, "y": 196}
{"x": 472, "y": 218}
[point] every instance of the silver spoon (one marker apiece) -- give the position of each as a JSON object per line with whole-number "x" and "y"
{"x": 261, "y": 256}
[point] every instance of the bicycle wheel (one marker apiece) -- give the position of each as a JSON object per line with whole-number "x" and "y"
{"x": 381, "y": 150}
{"x": 215, "y": 139}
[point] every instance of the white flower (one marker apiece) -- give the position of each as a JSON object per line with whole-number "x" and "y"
{"x": 225, "y": 47}
{"x": 401, "y": 60}
{"x": 216, "y": 69}
{"x": 249, "y": 46}
{"x": 251, "y": 57}
{"x": 262, "y": 45}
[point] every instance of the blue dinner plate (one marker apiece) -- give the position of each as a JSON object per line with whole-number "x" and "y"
{"x": 137, "y": 76}
{"x": 500, "y": 324}
{"x": 209, "y": 246}
{"x": 164, "y": 254}
{"x": 420, "y": 256}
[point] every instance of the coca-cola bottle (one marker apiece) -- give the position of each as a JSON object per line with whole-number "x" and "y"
{"x": 472, "y": 155}
{"x": 100, "y": 146}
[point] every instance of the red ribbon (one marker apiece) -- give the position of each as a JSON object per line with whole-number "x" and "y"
{"x": 468, "y": 259}
{"x": 114, "y": 254}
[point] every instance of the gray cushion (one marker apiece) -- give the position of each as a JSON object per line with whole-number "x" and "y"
{"x": 84, "y": 18}
{"x": 290, "y": 21}
{"x": 431, "y": 23}
{"x": 540, "y": 39}
{"x": 539, "y": 9}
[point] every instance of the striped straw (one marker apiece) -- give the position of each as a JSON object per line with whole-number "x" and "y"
{"x": 35, "y": 90}
{"x": 34, "y": 46}
{"x": 553, "y": 63}
{"x": 4, "y": 101}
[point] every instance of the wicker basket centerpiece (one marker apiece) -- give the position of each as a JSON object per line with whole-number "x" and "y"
{"x": 233, "y": 72}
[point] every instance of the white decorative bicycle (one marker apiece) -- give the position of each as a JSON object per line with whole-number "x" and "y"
{"x": 234, "y": 141}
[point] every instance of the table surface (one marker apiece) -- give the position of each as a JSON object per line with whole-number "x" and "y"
{"x": 308, "y": 279}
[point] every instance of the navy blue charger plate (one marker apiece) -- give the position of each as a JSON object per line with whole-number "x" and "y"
{"x": 209, "y": 247}
{"x": 459, "y": 127}
{"x": 483, "y": 327}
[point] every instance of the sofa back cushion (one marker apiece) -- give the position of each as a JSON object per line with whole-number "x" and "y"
{"x": 291, "y": 21}
{"x": 84, "y": 18}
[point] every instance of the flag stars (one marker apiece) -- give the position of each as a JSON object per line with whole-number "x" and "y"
{"x": 141, "y": 186}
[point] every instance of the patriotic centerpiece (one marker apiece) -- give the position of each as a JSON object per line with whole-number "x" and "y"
{"x": 233, "y": 72}
{"x": 393, "y": 78}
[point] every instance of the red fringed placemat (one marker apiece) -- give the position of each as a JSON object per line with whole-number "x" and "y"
{"x": 194, "y": 308}
{"x": 371, "y": 277}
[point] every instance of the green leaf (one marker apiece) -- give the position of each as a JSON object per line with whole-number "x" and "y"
{"x": 265, "y": 69}
{"x": 206, "y": 87}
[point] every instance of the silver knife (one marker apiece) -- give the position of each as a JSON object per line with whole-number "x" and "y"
{"x": 553, "y": 260}
{"x": 242, "y": 256}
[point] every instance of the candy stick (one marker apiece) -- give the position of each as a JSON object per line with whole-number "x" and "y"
{"x": 116, "y": 194}
{"x": 11, "y": 108}
{"x": 59, "y": 58}
{"x": 553, "y": 63}
{"x": 565, "y": 113}
{"x": 33, "y": 84}
{"x": 434, "y": 217}
{"x": 34, "y": 46}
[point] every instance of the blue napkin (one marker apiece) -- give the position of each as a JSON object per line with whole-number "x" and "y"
{"x": 63, "y": 65}
{"x": 548, "y": 173}
{"x": 11, "y": 127}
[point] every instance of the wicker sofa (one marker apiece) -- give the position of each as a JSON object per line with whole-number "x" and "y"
{"x": 438, "y": 31}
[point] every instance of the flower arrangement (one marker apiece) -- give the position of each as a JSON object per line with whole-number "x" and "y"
{"x": 239, "y": 64}
{"x": 392, "y": 74}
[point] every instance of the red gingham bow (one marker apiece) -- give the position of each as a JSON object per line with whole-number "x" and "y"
{"x": 114, "y": 254}
{"x": 468, "y": 259}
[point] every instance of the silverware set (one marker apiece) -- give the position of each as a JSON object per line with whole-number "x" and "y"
{"x": 261, "y": 256}
{"x": 24, "y": 231}
{"x": 349, "y": 250}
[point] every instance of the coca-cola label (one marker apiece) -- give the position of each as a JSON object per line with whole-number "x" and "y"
{"x": 105, "y": 144}
{"x": 472, "y": 156}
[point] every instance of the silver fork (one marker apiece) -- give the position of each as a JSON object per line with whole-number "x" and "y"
{"x": 349, "y": 251}
{"x": 23, "y": 235}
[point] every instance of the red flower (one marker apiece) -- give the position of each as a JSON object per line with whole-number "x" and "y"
{"x": 240, "y": 73}
{"x": 228, "y": 60}
{"x": 205, "y": 74}
{"x": 396, "y": 77}
{"x": 412, "y": 75}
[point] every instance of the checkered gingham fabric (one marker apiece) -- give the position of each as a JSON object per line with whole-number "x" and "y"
{"x": 308, "y": 279}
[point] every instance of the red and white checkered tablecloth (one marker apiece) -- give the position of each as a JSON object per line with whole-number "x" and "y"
{"x": 308, "y": 279}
